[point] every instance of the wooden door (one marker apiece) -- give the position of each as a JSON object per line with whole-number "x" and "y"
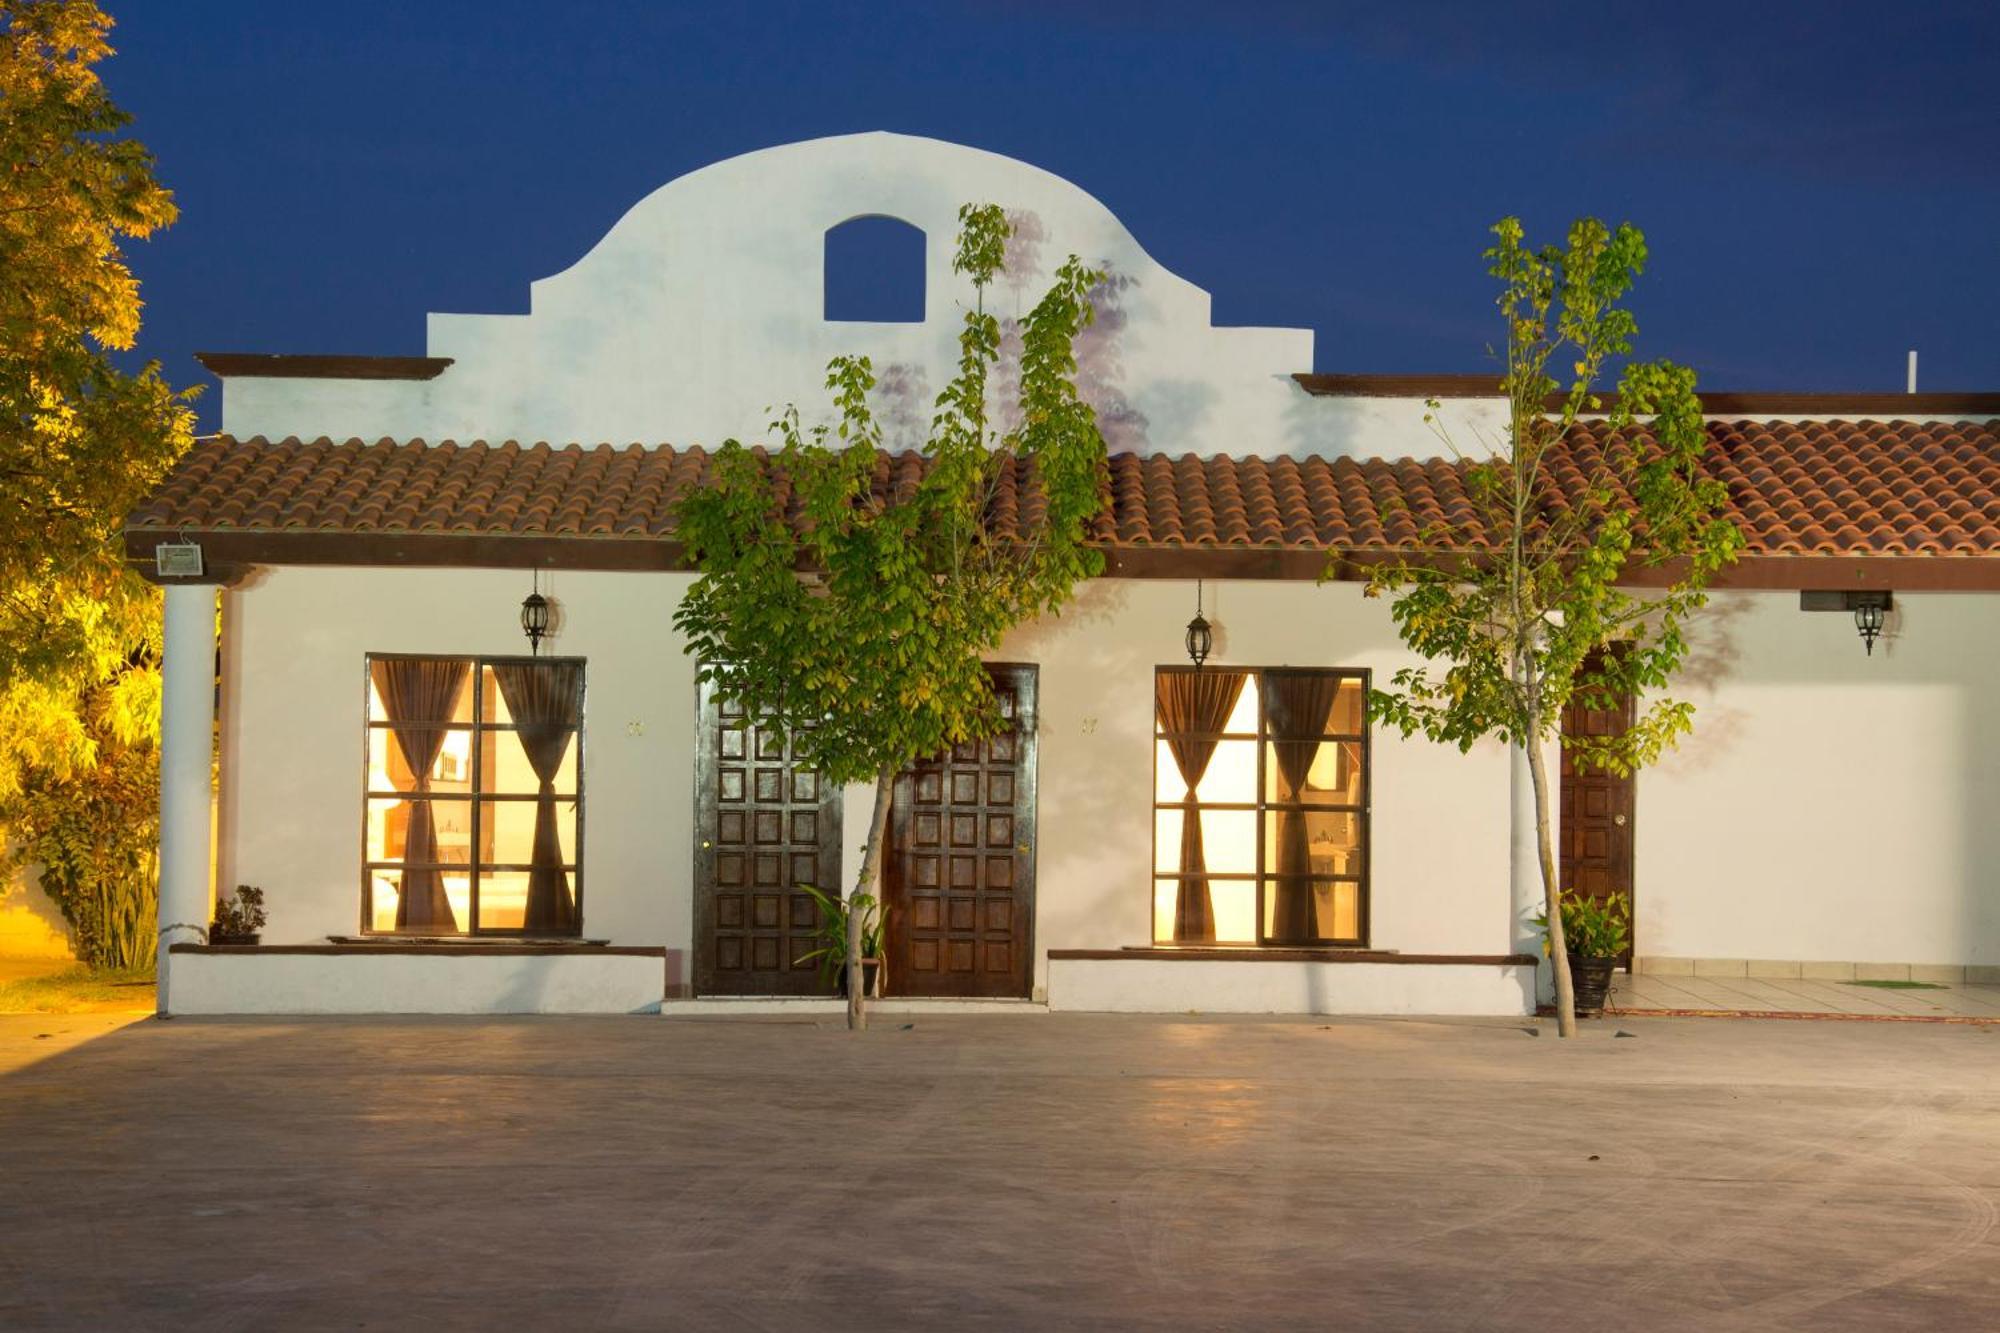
{"x": 1595, "y": 852}
{"x": 762, "y": 828}
{"x": 960, "y": 890}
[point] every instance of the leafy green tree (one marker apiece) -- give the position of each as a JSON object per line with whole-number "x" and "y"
{"x": 80, "y": 441}
{"x": 852, "y": 607}
{"x": 1525, "y": 603}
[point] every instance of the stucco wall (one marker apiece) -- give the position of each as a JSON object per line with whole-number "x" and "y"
{"x": 470, "y": 983}
{"x": 1831, "y": 805}
{"x": 292, "y": 794}
{"x": 1440, "y": 819}
{"x": 703, "y": 305}
{"x": 1155, "y": 985}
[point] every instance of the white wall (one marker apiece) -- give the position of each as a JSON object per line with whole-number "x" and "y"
{"x": 291, "y": 789}
{"x": 1440, "y": 819}
{"x": 1164, "y": 985}
{"x": 1831, "y": 806}
{"x": 703, "y": 305}
{"x": 471, "y": 982}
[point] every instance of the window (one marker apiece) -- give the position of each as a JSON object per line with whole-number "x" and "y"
{"x": 875, "y": 272}
{"x": 474, "y": 805}
{"x": 1260, "y": 816}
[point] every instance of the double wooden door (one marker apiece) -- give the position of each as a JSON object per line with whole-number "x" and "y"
{"x": 1595, "y": 849}
{"x": 763, "y": 826}
{"x": 960, "y": 871}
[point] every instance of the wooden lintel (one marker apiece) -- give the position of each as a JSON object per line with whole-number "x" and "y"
{"x": 229, "y": 553}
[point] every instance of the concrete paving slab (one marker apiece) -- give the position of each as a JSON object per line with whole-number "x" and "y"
{"x": 1057, "y": 1171}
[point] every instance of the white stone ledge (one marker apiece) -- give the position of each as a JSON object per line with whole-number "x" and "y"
{"x": 1227, "y": 986}
{"x": 715, "y": 1006}
{"x": 434, "y": 982}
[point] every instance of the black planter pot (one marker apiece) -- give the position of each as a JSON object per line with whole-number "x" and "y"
{"x": 870, "y": 968}
{"x": 215, "y": 937}
{"x": 1590, "y": 979}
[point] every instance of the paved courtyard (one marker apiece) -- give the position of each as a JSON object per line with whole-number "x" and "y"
{"x": 1022, "y": 1172}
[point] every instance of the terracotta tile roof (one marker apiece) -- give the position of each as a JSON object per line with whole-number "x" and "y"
{"x": 1798, "y": 488}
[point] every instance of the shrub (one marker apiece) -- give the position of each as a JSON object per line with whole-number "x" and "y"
{"x": 1593, "y": 927}
{"x": 94, "y": 834}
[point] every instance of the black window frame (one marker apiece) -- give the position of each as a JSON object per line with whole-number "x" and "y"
{"x": 1259, "y": 877}
{"x": 474, "y": 797}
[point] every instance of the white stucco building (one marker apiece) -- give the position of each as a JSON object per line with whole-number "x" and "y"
{"x": 439, "y": 826}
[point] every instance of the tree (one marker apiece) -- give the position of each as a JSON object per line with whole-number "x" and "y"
{"x": 1526, "y": 600}
{"x": 81, "y": 442}
{"x": 851, "y": 607}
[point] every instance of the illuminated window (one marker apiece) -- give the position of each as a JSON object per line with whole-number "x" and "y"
{"x": 1260, "y": 816}
{"x": 474, "y": 792}
{"x": 875, "y": 272}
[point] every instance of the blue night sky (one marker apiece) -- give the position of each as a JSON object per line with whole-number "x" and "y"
{"x": 1819, "y": 183}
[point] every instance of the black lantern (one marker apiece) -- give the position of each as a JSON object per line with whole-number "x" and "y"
{"x": 535, "y": 616}
{"x": 1868, "y": 614}
{"x": 1199, "y": 637}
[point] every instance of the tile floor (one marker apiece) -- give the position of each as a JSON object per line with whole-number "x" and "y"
{"x": 1638, "y": 994}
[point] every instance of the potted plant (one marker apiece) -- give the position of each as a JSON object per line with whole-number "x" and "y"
{"x": 239, "y": 917}
{"x": 1596, "y": 931}
{"x": 832, "y": 935}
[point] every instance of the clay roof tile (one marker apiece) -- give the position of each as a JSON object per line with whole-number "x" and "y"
{"x": 1795, "y": 486}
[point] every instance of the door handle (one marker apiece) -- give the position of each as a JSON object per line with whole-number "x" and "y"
{"x": 1619, "y": 820}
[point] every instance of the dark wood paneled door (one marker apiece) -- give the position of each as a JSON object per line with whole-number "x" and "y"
{"x": 1595, "y": 853}
{"x": 960, "y": 886}
{"x": 762, "y": 827}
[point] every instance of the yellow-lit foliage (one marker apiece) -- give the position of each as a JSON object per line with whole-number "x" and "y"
{"x": 81, "y": 442}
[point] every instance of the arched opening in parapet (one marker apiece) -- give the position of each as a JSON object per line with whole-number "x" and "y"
{"x": 875, "y": 271}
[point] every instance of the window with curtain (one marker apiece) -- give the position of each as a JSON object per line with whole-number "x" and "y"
{"x": 474, "y": 794}
{"x": 1260, "y": 816}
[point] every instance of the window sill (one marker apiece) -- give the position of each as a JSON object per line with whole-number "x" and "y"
{"x": 1251, "y": 953}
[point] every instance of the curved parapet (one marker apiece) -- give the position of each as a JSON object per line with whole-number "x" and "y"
{"x": 701, "y": 310}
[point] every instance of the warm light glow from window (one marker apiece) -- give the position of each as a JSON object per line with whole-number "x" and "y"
{"x": 1234, "y": 903}
{"x": 478, "y": 741}
{"x": 457, "y": 889}
{"x": 1309, "y": 841}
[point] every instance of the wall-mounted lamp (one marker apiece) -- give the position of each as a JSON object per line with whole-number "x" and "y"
{"x": 1870, "y": 609}
{"x": 535, "y": 616}
{"x": 1200, "y": 638}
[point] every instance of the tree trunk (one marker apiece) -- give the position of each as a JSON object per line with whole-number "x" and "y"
{"x": 1551, "y": 892}
{"x": 869, "y": 882}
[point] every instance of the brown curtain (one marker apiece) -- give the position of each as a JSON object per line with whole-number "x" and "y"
{"x": 418, "y": 694}
{"x": 1295, "y": 711}
{"x": 546, "y": 700}
{"x": 1194, "y": 701}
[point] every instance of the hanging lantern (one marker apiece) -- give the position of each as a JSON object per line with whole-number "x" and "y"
{"x": 535, "y": 617}
{"x": 1868, "y": 615}
{"x": 1200, "y": 638}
